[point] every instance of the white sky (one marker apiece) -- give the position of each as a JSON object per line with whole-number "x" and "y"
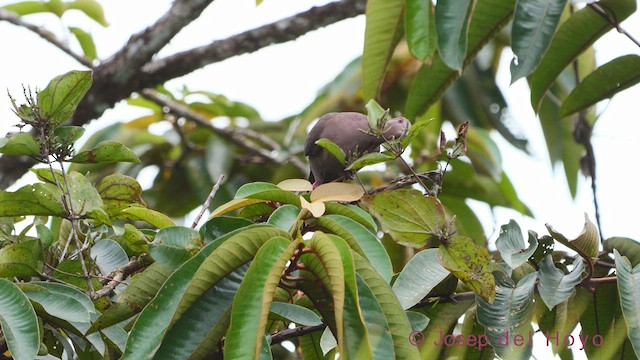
{"x": 281, "y": 80}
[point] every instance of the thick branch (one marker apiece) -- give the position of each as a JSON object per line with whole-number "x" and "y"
{"x": 279, "y": 32}
{"x": 116, "y": 79}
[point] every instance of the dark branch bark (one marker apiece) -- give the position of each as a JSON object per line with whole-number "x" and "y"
{"x": 126, "y": 72}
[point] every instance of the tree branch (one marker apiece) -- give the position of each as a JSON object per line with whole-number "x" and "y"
{"x": 117, "y": 78}
{"x": 13, "y": 18}
{"x": 286, "y": 334}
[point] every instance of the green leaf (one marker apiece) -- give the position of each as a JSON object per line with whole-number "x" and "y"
{"x": 45, "y": 235}
{"x": 221, "y": 225}
{"x": 411, "y": 218}
{"x": 60, "y": 300}
{"x": 361, "y": 240}
{"x": 218, "y": 157}
{"x": 37, "y": 199}
{"x": 149, "y": 330}
{"x": 489, "y": 16}
{"x": 284, "y": 217}
{"x": 19, "y": 144}
{"x": 267, "y": 191}
{"x": 415, "y": 129}
{"x": 587, "y": 243}
{"x": 91, "y": 8}
{"x": 452, "y": 26}
{"x": 107, "y": 151}
{"x": 575, "y": 35}
{"x": 442, "y": 317}
{"x": 509, "y": 316}
{"x": 376, "y": 322}
{"x": 611, "y": 78}
{"x": 250, "y": 308}
{"x": 59, "y": 100}
{"x": 471, "y": 264}
{"x": 418, "y": 321}
{"x": 534, "y": 23}
{"x": 555, "y": 287}
{"x": 19, "y": 322}
{"x": 383, "y": 23}
{"x": 511, "y": 245}
{"x": 421, "y": 274}
{"x": 370, "y": 159}
{"x": 333, "y": 149}
{"x": 86, "y": 42}
{"x": 27, "y": 7}
{"x": 118, "y": 192}
{"x": 628, "y": 288}
{"x": 21, "y": 260}
{"x": 174, "y": 245}
{"x": 352, "y": 212}
{"x": 628, "y": 248}
{"x": 153, "y": 217}
{"x": 141, "y": 289}
{"x": 68, "y": 135}
{"x": 294, "y": 313}
{"x": 108, "y": 255}
{"x": 420, "y": 30}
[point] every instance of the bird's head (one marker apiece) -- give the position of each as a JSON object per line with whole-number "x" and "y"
{"x": 396, "y": 128}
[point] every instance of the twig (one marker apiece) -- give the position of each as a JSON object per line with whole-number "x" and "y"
{"x": 13, "y": 18}
{"x": 612, "y": 20}
{"x": 205, "y": 206}
{"x": 287, "y": 334}
{"x": 238, "y": 138}
{"x": 429, "y": 301}
{"x": 116, "y": 277}
{"x": 408, "y": 180}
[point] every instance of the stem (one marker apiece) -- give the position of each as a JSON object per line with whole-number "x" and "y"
{"x": 287, "y": 334}
{"x": 205, "y": 206}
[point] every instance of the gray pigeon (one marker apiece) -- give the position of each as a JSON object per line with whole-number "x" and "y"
{"x": 350, "y": 131}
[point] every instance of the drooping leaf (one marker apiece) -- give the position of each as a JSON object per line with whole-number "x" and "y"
{"x": 407, "y": 215}
{"x": 489, "y": 16}
{"x": 152, "y": 217}
{"x": 377, "y": 326}
{"x": 555, "y": 287}
{"x": 628, "y": 248}
{"x": 370, "y": 159}
{"x": 251, "y": 305}
{"x": 86, "y": 42}
{"x": 316, "y": 208}
{"x": 511, "y": 245}
{"x": 91, "y": 8}
{"x": 333, "y": 149}
{"x": 361, "y": 240}
{"x": 587, "y": 243}
{"x": 19, "y": 322}
{"x": 628, "y": 285}
{"x": 420, "y": 31}
{"x": 384, "y": 21}
{"x": 59, "y": 100}
{"x": 609, "y": 79}
{"x": 471, "y": 264}
{"x": 234, "y": 204}
{"x": 576, "y": 34}
{"x": 337, "y": 191}
{"x": 421, "y": 274}
{"x": 534, "y": 23}
{"x": 294, "y": 313}
{"x": 511, "y": 314}
{"x": 452, "y": 25}
{"x": 60, "y": 300}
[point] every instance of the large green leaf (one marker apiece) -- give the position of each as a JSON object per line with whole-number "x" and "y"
{"x": 266, "y": 191}
{"x": 361, "y": 240}
{"x": 575, "y": 35}
{"x": 629, "y": 290}
{"x": 21, "y": 260}
{"x": 489, "y": 16}
{"x": 352, "y": 212}
{"x": 395, "y": 316}
{"x": 555, "y": 287}
{"x": 511, "y": 245}
{"x": 19, "y": 322}
{"x": 377, "y": 327}
{"x": 152, "y": 323}
{"x": 452, "y": 25}
{"x": 611, "y": 78}
{"x": 421, "y": 274}
{"x": 174, "y": 245}
{"x": 60, "y": 300}
{"x": 509, "y": 316}
{"x": 411, "y": 218}
{"x": 251, "y": 304}
{"x": 294, "y": 313}
{"x": 86, "y": 42}
{"x": 628, "y": 248}
{"x": 443, "y": 318}
{"x": 119, "y": 192}
{"x": 420, "y": 30}
{"x": 108, "y": 255}
{"x": 107, "y": 151}
{"x": 59, "y": 100}
{"x": 534, "y": 23}
{"x": 384, "y": 21}
{"x": 36, "y": 199}
{"x": 141, "y": 289}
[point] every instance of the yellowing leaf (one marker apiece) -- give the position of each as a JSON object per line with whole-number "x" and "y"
{"x": 336, "y": 191}
{"x": 316, "y": 208}
{"x": 234, "y": 204}
{"x": 295, "y": 185}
